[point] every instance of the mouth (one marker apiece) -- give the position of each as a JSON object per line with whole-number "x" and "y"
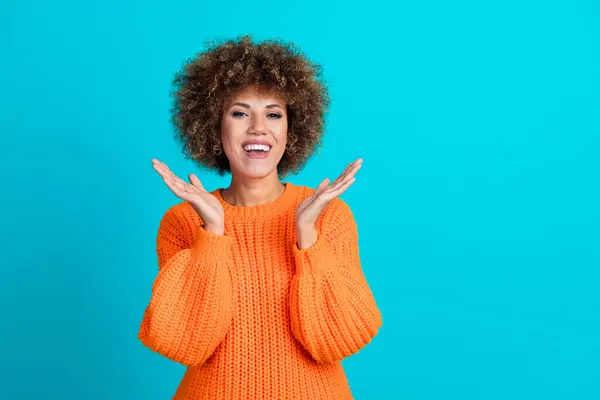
{"x": 257, "y": 150}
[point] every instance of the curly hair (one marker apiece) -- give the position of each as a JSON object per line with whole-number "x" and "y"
{"x": 208, "y": 81}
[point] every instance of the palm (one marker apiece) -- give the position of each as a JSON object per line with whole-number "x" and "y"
{"x": 205, "y": 203}
{"x": 309, "y": 210}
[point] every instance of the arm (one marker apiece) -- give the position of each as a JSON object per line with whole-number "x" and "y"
{"x": 191, "y": 309}
{"x": 333, "y": 312}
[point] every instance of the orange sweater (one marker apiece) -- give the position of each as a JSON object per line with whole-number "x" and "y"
{"x": 250, "y": 314}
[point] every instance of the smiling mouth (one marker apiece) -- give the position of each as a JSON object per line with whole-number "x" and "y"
{"x": 257, "y": 149}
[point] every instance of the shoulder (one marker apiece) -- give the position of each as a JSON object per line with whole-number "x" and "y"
{"x": 338, "y": 220}
{"x": 338, "y": 212}
{"x": 181, "y": 215}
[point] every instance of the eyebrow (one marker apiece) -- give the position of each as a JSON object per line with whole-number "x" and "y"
{"x": 248, "y": 105}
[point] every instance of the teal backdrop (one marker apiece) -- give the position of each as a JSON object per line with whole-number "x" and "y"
{"x": 477, "y": 204}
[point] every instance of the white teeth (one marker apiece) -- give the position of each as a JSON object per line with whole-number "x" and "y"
{"x": 262, "y": 147}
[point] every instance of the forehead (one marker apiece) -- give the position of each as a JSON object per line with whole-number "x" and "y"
{"x": 258, "y": 95}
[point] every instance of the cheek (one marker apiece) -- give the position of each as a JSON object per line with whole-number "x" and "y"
{"x": 283, "y": 140}
{"x": 281, "y": 134}
{"x": 227, "y": 134}
{"x": 283, "y": 143}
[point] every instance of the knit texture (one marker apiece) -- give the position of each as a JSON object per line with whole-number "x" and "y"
{"x": 250, "y": 314}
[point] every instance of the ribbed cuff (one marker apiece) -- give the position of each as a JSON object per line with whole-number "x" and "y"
{"x": 316, "y": 259}
{"x": 211, "y": 246}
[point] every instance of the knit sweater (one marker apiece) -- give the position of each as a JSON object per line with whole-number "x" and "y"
{"x": 250, "y": 314}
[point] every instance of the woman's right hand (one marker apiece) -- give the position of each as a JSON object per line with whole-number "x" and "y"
{"x": 208, "y": 207}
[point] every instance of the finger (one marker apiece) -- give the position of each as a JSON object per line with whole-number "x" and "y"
{"x": 179, "y": 183}
{"x": 167, "y": 173}
{"x": 161, "y": 171}
{"x": 181, "y": 188}
{"x": 349, "y": 175}
{"x": 347, "y": 170}
{"x": 163, "y": 167}
{"x": 171, "y": 185}
{"x": 343, "y": 173}
{"x": 323, "y": 185}
{"x": 195, "y": 181}
{"x": 342, "y": 188}
{"x": 167, "y": 176}
{"x": 173, "y": 182}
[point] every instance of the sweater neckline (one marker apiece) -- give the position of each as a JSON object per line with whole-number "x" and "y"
{"x": 274, "y": 207}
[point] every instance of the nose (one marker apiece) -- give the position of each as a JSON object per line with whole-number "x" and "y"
{"x": 257, "y": 126}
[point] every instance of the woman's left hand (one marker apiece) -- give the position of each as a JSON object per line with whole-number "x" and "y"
{"x": 310, "y": 209}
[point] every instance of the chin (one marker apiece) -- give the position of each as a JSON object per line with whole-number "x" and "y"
{"x": 255, "y": 171}
{"x": 256, "y": 168}
{"x": 258, "y": 172}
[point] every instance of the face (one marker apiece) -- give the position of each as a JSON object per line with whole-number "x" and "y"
{"x": 254, "y": 132}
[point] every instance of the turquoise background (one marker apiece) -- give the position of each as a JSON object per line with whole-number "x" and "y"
{"x": 477, "y": 204}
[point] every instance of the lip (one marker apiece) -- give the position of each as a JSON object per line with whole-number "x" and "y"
{"x": 257, "y": 155}
{"x": 257, "y": 141}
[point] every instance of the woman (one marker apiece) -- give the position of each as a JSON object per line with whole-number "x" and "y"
{"x": 260, "y": 291}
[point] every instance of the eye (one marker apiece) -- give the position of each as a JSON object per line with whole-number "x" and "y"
{"x": 240, "y": 113}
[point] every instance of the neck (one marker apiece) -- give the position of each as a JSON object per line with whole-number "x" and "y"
{"x": 248, "y": 192}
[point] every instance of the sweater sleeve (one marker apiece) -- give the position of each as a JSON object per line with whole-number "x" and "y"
{"x": 191, "y": 308}
{"x": 333, "y": 311}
